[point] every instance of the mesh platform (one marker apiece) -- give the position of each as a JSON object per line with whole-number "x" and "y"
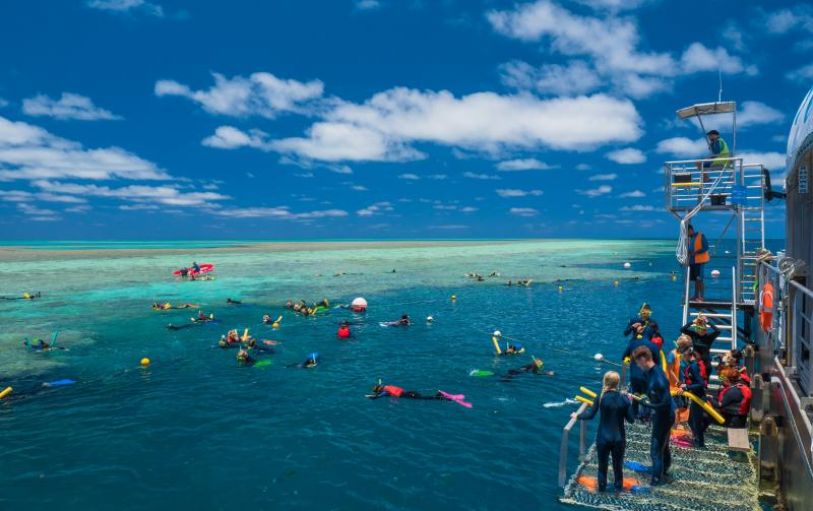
{"x": 714, "y": 479}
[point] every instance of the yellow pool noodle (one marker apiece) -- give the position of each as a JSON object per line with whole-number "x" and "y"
{"x": 245, "y": 335}
{"x": 705, "y": 406}
{"x": 663, "y": 363}
{"x": 584, "y": 400}
{"x": 6, "y": 392}
{"x": 278, "y": 319}
{"x": 496, "y": 345}
{"x": 588, "y": 392}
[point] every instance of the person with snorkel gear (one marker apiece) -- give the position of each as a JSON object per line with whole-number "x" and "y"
{"x": 703, "y": 335}
{"x": 658, "y": 399}
{"x": 611, "y": 434}
{"x": 693, "y": 379}
{"x": 640, "y": 326}
{"x": 535, "y": 367}
{"x": 511, "y": 348}
{"x": 637, "y": 376}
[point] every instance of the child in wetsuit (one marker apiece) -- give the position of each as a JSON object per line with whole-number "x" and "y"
{"x": 393, "y": 391}
{"x": 611, "y": 436}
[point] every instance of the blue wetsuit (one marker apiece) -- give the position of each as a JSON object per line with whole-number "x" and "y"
{"x": 648, "y": 331}
{"x": 663, "y": 417}
{"x": 610, "y": 437}
{"x": 692, "y": 377}
{"x": 638, "y": 380}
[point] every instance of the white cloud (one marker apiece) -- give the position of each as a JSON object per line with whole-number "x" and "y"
{"x": 604, "y": 177}
{"x": 772, "y": 160}
{"x": 36, "y": 213}
{"x": 261, "y": 94}
{"x": 698, "y": 58}
{"x": 785, "y": 20}
{"x": 635, "y": 194}
{"x": 482, "y": 177}
{"x": 280, "y": 213}
{"x": 683, "y": 147}
{"x": 359, "y": 188}
{"x": 25, "y": 196}
{"x": 468, "y": 209}
{"x": 596, "y": 192}
{"x": 229, "y": 137}
{"x": 611, "y": 42}
{"x": 330, "y": 141}
{"x": 637, "y": 207}
{"x": 522, "y": 164}
{"x": 628, "y": 156}
{"x": 526, "y": 212}
{"x": 511, "y": 192}
{"x": 572, "y": 79}
{"x": 754, "y": 112}
{"x": 122, "y": 6}
{"x": 409, "y": 177}
{"x": 613, "y": 5}
{"x": 437, "y": 177}
{"x": 30, "y": 152}
{"x": 802, "y": 75}
{"x": 367, "y": 5}
{"x": 68, "y": 106}
{"x": 376, "y": 209}
{"x": 166, "y": 195}
{"x": 449, "y": 227}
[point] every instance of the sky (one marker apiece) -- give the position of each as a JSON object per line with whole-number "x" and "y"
{"x": 379, "y": 119}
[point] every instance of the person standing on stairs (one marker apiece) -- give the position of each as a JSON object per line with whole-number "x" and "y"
{"x": 698, "y": 251}
{"x": 703, "y": 335}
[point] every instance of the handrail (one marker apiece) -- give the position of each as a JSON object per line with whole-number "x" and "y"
{"x": 686, "y": 296}
{"x": 734, "y": 331}
{"x": 563, "y": 447}
{"x": 695, "y": 160}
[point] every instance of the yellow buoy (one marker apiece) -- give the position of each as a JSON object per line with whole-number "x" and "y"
{"x": 275, "y": 325}
{"x": 6, "y": 392}
{"x": 561, "y": 289}
{"x": 454, "y": 297}
{"x": 145, "y": 362}
{"x": 615, "y": 283}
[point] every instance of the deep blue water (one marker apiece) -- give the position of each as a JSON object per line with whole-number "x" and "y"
{"x": 194, "y": 431}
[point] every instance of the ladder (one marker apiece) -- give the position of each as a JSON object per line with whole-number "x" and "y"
{"x": 751, "y": 225}
{"x": 723, "y": 315}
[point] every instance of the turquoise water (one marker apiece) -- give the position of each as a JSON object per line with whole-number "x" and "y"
{"x": 195, "y": 431}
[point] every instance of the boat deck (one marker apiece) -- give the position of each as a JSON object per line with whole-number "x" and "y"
{"x": 713, "y": 479}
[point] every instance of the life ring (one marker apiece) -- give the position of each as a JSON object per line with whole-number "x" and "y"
{"x": 766, "y": 307}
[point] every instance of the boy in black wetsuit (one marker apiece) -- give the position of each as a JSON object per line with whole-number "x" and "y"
{"x": 659, "y": 400}
{"x": 611, "y": 435}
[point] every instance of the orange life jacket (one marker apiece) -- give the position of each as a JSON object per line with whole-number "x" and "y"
{"x": 698, "y": 246}
{"x": 766, "y": 307}
{"x": 393, "y": 390}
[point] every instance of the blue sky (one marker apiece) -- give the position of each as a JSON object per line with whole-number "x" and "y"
{"x": 131, "y": 119}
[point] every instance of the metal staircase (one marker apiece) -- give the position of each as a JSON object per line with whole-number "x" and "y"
{"x": 723, "y": 314}
{"x": 751, "y": 220}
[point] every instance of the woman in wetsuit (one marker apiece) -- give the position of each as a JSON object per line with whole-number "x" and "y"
{"x": 393, "y": 391}
{"x": 534, "y": 367}
{"x": 615, "y": 408}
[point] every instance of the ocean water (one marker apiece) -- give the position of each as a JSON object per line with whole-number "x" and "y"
{"x": 195, "y": 431}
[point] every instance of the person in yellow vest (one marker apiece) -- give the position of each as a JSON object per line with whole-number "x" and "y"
{"x": 698, "y": 251}
{"x": 719, "y": 152}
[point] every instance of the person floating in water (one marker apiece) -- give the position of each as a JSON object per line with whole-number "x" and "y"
{"x": 233, "y": 302}
{"x": 168, "y": 306}
{"x": 244, "y": 358}
{"x": 511, "y": 348}
{"x": 534, "y": 367}
{"x": 25, "y": 296}
{"x": 310, "y": 362}
{"x": 229, "y": 340}
{"x": 404, "y": 321}
{"x": 203, "y": 317}
{"x": 40, "y": 345}
{"x": 615, "y": 408}
{"x": 267, "y": 319}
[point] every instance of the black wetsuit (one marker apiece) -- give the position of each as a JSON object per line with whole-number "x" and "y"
{"x": 638, "y": 379}
{"x": 702, "y": 343}
{"x": 647, "y": 333}
{"x": 529, "y": 368}
{"x": 663, "y": 417}
{"x": 611, "y": 436}
{"x": 695, "y": 383}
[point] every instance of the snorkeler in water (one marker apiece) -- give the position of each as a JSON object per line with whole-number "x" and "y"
{"x": 25, "y": 296}
{"x": 310, "y": 362}
{"x": 244, "y": 358}
{"x": 534, "y": 367}
{"x": 203, "y": 317}
{"x": 233, "y": 302}
{"x": 40, "y": 345}
{"x": 380, "y": 391}
{"x": 168, "y": 306}
{"x": 229, "y": 340}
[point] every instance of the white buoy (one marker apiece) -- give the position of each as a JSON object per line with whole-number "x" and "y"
{"x": 627, "y": 266}
{"x": 429, "y": 319}
{"x": 715, "y": 273}
{"x": 598, "y": 357}
{"x": 358, "y": 304}
{"x": 497, "y": 333}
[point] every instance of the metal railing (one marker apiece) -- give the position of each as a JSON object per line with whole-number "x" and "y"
{"x": 563, "y": 447}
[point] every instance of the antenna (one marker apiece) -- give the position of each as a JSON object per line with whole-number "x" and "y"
{"x": 720, "y": 78}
